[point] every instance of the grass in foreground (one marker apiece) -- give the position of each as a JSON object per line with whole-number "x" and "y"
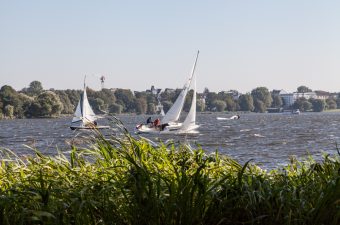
{"x": 127, "y": 181}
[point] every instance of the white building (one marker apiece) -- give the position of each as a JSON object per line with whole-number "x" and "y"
{"x": 290, "y": 98}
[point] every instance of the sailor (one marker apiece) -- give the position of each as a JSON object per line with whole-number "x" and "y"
{"x": 149, "y": 120}
{"x": 157, "y": 122}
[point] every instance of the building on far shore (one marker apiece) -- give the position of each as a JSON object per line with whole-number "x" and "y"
{"x": 290, "y": 98}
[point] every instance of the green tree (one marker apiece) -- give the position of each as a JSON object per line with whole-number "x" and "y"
{"x": 200, "y": 105}
{"x": 303, "y": 89}
{"x": 74, "y": 96}
{"x": 259, "y": 106}
{"x": 318, "y": 104}
{"x": 68, "y": 107}
{"x": 46, "y": 104}
{"x": 97, "y": 105}
{"x": 246, "y": 102}
{"x": 302, "y": 104}
{"x": 210, "y": 98}
{"x": 116, "y": 108}
{"x": 35, "y": 88}
{"x": 125, "y": 98}
{"x": 9, "y": 96}
{"x": 219, "y": 105}
{"x": 277, "y": 101}
{"x": 107, "y": 96}
{"x": 141, "y": 105}
{"x": 9, "y": 110}
{"x": 151, "y": 108}
{"x": 262, "y": 99}
{"x": 231, "y": 104}
{"x": 331, "y": 103}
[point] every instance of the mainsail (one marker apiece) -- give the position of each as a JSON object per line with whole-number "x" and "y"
{"x": 84, "y": 112}
{"x": 174, "y": 112}
{"x": 190, "y": 121}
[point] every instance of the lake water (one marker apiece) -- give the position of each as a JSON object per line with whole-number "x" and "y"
{"x": 268, "y": 139}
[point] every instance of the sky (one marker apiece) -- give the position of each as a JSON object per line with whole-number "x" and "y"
{"x": 243, "y": 44}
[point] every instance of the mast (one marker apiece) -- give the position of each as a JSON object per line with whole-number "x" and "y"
{"x": 83, "y": 105}
{"x": 174, "y": 112}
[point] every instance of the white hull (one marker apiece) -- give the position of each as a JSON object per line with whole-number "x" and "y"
{"x": 149, "y": 129}
{"x": 230, "y": 118}
{"x": 89, "y": 127}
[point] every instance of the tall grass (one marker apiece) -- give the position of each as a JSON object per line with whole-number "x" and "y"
{"x": 122, "y": 180}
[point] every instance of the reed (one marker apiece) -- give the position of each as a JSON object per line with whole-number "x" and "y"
{"x": 122, "y": 180}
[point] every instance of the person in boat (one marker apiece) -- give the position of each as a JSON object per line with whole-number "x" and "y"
{"x": 157, "y": 122}
{"x": 149, "y": 121}
{"x": 163, "y": 126}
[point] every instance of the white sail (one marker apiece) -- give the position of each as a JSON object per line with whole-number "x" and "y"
{"x": 174, "y": 112}
{"x": 78, "y": 113}
{"x": 190, "y": 121}
{"x": 88, "y": 114}
{"x": 84, "y": 113}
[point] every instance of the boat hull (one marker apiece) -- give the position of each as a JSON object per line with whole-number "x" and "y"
{"x": 147, "y": 129}
{"x": 89, "y": 128}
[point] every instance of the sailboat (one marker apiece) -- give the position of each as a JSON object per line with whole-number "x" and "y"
{"x": 84, "y": 117}
{"x": 170, "y": 120}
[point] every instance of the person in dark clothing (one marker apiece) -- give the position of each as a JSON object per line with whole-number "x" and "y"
{"x": 164, "y": 125}
{"x": 149, "y": 120}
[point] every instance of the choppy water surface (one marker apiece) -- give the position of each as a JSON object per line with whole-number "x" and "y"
{"x": 268, "y": 139}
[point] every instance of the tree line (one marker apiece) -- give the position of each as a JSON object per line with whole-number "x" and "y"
{"x": 35, "y": 102}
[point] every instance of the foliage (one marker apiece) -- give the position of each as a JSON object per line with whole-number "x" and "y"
{"x": 115, "y": 108}
{"x": 246, "y": 102}
{"x": 127, "y": 181}
{"x": 9, "y": 111}
{"x": 318, "y": 104}
{"x": 141, "y": 105}
{"x": 303, "y": 89}
{"x": 331, "y": 104}
{"x": 219, "y": 105}
{"x": 200, "y": 106}
{"x": 302, "y": 104}
{"x": 47, "y": 104}
{"x": 98, "y": 105}
{"x": 35, "y": 88}
{"x": 209, "y": 100}
{"x": 68, "y": 107}
{"x": 151, "y": 109}
{"x": 231, "y": 105}
{"x": 26, "y": 104}
{"x": 126, "y": 99}
{"x": 19, "y": 101}
{"x": 277, "y": 101}
{"x": 262, "y": 98}
{"x": 259, "y": 106}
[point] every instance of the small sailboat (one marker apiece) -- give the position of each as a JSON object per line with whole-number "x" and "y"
{"x": 84, "y": 117}
{"x": 170, "y": 120}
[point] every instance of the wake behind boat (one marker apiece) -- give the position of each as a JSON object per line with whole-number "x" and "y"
{"x": 84, "y": 117}
{"x": 170, "y": 123}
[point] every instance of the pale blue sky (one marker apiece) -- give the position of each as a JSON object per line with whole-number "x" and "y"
{"x": 243, "y": 44}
